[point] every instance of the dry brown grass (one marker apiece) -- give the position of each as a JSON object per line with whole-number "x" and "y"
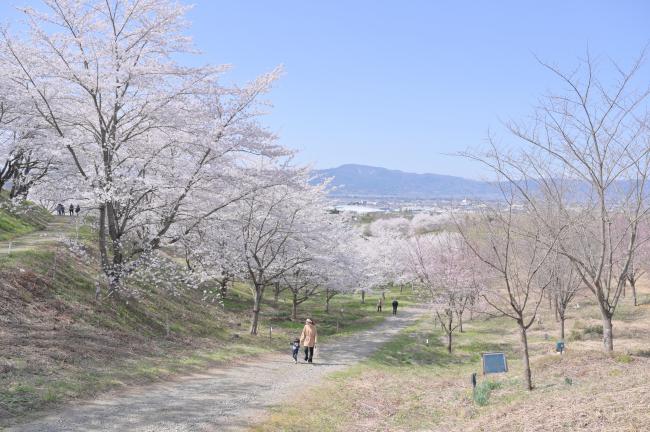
{"x": 583, "y": 390}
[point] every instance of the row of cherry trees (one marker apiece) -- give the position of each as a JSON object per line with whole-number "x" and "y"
{"x": 95, "y": 106}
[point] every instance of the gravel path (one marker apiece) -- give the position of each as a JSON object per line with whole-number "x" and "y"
{"x": 226, "y": 399}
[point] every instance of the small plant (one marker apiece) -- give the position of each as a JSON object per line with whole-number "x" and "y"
{"x": 568, "y": 381}
{"x": 596, "y": 330}
{"x": 575, "y": 335}
{"x": 483, "y": 390}
{"x": 623, "y": 358}
{"x": 50, "y": 396}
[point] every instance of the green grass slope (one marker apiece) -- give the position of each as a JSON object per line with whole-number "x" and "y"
{"x": 21, "y": 219}
{"x": 57, "y": 342}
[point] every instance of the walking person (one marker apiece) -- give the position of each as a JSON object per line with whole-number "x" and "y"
{"x": 295, "y": 349}
{"x": 71, "y": 210}
{"x": 380, "y": 304}
{"x": 308, "y": 339}
{"x": 77, "y": 210}
{"x": 395, "y": 304}
{"x": 59, "y": 209}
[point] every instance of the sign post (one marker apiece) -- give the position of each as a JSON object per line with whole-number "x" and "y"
{"x": 473, "y": 384}
{"x": 494, "y": 362}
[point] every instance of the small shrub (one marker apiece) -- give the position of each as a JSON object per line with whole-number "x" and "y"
{"x": 575, "y": 335}
{"x": 623, "y": 358}
{"x": 568, "y": 381}
{"x": 50, "y": 396}
{"x": 593, "y": 331}
{"x": 596, "y": 330}
{"x": 483, "y": 390}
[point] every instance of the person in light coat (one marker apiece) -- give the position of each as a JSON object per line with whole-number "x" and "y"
{"x": 308, "y": 339}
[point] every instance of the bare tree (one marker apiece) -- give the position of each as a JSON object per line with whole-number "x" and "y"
{"x": 565, "y": 285}
{"x": 586, "y": 154}
{"x": 510, "y": 243}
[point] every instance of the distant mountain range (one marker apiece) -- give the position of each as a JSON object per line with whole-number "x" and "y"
{"x": 361, "y": 181}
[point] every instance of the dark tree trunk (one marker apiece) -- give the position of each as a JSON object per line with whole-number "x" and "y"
{"x": 276, "y": 293}
{"x": 608, "y": 335}
{"x": 561, "y": 326}
{"x": 257, "y": 301}
{"x": 633, "y": 287}
{"x": 223, "y": 288}
{"x": 327, "y": 300}
{"x": 294, "y": 307}
{"x": 528, "y": 381}
{"x": 363, "y": 296}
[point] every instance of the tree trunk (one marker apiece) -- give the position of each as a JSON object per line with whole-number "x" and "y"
{"x": 528, "y": 381}
{"x": 561, "y": 327}
{"x": 327, "y": 300}
{"x": 363, "y": 296}
{"x": 276, "y": 293}
{"x": 608, "y": 335}
{"x": 257, "y": 300}
{"x": 103, "y": 251}
{"x": 223, "y": 288}
{"x": 460, "y": 322}
{"x": 633, "y": 286}
{"x": 449, "y": 336}
{"x": 294, "y": 308}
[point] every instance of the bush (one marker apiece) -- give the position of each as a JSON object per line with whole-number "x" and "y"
{"x": 483, "y": 390}
{"x": 596, "y": 330}
{"x": 575, "y": 335}
{"x": 593, "y": 331}
{"x": 623, "y": 358}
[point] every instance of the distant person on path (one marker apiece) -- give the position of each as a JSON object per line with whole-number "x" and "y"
{"x": 77, "y": 210}
{"x": 308, "y": 339}
{"x": 60, "y": 209}
{"x": 395, "y": 304}
{"x": 295, "y": 349}
{"x": 71, "y": 209}
{"x": 380, "y": 304}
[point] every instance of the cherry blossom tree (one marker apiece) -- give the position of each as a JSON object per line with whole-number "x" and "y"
{"x": 444, "y": 277}
{"x": 276, "y": 227}
{"x": 25, "y": 157}
{"x": 150, "y": 140}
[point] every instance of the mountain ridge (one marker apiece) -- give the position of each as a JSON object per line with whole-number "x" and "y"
{"x": 357, "y": 180}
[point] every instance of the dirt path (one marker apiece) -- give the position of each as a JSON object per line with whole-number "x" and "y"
{"x": 226, "y": 399}
{"x": 55, "y": 230}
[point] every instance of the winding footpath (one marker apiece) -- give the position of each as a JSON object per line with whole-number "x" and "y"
{"x": 225, "y": 399}
{"x": 55, "y": 231}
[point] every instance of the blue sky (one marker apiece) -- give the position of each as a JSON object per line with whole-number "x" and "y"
{"x": 400, "y": 84}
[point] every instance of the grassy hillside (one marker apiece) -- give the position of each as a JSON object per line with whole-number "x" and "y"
{"x": 17, "y": 220}
{"x": 58, "y": 343}
{"x": 414, "y": 384}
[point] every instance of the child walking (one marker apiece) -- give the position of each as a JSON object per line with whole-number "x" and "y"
{"x": 295, "y": 349}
